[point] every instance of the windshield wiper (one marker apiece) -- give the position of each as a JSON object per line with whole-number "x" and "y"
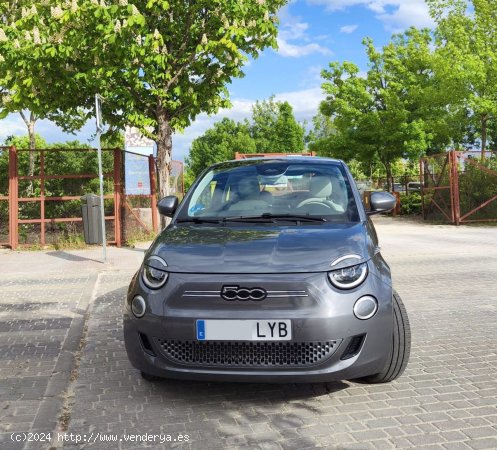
{"x": 199, "y": 220}
{"x": 268, "y": 217}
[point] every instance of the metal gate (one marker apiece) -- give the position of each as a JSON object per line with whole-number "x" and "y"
{"x": 477, "y": 187}
{"x": 437, "y": 187}
{"x": 459, "y": 187}
{"x": 45, "y": 204}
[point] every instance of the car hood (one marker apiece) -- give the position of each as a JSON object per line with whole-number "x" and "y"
{"x": 261, "y": 249}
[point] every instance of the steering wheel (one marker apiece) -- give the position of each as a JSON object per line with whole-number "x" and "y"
{"x": 314, "y": 201}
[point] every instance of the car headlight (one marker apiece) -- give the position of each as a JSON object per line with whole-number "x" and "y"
{"x": 349, "y": 277}
{"x": 154, "y": 273}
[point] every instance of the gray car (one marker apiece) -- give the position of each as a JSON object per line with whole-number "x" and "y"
{"x": 269, "y": 271}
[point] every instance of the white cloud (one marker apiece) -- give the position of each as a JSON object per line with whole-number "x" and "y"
{"x": 297, "y": 51}
{"x": 293, "y": 29}
{"x": 12, "y": 125}
{"x": 347, "y": 29}
{"x": 410, "y": 13}
{"x": 397, "y": 15}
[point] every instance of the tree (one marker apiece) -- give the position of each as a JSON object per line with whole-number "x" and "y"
{"x": 288, "y": 133}
{"x": 275, "y": 129}
{"x": 219, "y": 143}
{"x": 158, "y": 64}
{"x": 467, "y": 44}
{"x": 264, "y": 118}
{"x": 323, "y": 128}
{"x": 10, "y": 101}
{"x": 19, "y": 93}
{"x": 395, "y": 111}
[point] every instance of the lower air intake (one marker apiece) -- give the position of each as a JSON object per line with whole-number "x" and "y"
{"x": 247, "y": 354}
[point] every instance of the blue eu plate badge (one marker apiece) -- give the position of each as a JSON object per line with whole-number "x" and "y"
{"x": 201, "y": 330}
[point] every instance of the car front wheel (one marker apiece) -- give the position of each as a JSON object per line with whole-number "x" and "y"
{"x": 401, "y": 345}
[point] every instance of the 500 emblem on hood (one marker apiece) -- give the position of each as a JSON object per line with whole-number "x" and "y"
{"x": 241, "y": 293}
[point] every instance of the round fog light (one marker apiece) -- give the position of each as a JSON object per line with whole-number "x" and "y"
{"x": 138, "y": 306}
{"x": 365, "y": 307}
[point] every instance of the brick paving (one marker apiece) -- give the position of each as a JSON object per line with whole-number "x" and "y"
{"x": 446, "y": 399}
{"x": 44, "y": 297}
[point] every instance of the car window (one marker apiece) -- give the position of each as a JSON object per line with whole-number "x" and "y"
{"x": 318, "y": 189}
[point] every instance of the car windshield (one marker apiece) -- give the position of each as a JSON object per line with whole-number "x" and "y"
{"x": 272, "y": 189}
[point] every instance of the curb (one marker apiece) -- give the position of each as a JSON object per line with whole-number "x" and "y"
{"x": 47, "y": 416}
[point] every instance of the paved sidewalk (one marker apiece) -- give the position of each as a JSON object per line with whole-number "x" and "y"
{"x": 445, "y": 400}
{"x": 44, "y": 297}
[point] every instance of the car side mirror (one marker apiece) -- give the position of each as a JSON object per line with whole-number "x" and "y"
{"x": 167, "y": 206}
{"x": 381, "y": 202}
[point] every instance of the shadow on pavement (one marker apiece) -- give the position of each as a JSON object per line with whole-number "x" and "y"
{"x": 71, "y": 257}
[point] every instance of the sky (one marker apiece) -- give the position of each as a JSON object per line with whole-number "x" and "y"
{"x": 312, "y": 33}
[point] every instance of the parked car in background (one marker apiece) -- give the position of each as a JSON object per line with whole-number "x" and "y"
{"x": 414, "y": 186}
{"x": 251, "y": 285}
{"x": 397, "y": 187}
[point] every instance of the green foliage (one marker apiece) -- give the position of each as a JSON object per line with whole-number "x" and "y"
{"x": 264, "y": 118}
{"x": 23, "y": 141}
{"x": 467, "y": 59}
{"x": 323, "y": 129}
{"x": 357, "y": 170}
{"x": 411, "y": 204}
{"x": 395, "y": 111}
{"x": 28, "y": 80}
{"x": 4, "y": 173}
{"x": 56, "y": 163}
{"x": 288, "y": 133}
{"x": 217, "y": 144}
{"x": 158, "y": 64}
{"x": 273, "y": 129}
{"x": 476, "y": 186}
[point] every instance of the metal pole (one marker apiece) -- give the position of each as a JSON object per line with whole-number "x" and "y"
{"x": 101, "y": 175}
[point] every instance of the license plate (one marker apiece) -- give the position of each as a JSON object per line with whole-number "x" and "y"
{"x": 244, "y": 330}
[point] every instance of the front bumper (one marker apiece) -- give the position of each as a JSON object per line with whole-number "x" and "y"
{"x": 324, "y": 329}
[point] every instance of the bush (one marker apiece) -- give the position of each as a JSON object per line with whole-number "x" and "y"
{"x": 411, "y": 204}
{"x": 477, "y": 186}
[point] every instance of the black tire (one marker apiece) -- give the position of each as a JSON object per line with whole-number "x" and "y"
{"x": 401, "y": 345}
{"x": 151, "y": 378}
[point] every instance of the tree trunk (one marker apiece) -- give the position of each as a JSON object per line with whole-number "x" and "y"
{"x": 164, "y": 157}
{"x": 30, "y": 124}
{"x": 484, "y": 120}
{"x": 388, "y": 167}
{"x": 32, "y": 145}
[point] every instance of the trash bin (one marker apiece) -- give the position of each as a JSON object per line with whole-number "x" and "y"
{"x": 92, "y": 222}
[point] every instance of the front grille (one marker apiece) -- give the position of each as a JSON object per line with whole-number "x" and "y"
{"x": 247, "y": 354}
